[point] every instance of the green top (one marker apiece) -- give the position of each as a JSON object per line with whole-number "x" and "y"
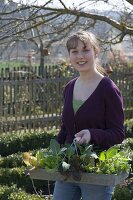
{"x": 77, "y": 104}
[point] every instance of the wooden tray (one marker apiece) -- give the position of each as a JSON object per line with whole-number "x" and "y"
{"x": 90, "y": 178}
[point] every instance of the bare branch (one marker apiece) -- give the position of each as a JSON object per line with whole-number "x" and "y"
{"x": 63, "y": 4}
{"x": 15, "y": 23}
{"x": 130, "y": 1}
{"x": 112, "y": 22}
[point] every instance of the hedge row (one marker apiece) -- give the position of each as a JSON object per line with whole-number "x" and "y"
{"x": 15, "y": 185}
{"x": 11, "y": 161}
{"x": 15, "y": 193}
{"x": 20, "y": 142}
{"x": 129, "y": 128}
{"x": 123, "y": 192}
{"x": 17, "y": 176}
{"x": 14, "y": 160}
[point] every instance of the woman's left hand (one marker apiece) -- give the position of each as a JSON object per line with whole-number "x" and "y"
{"x": 83, "y": 137}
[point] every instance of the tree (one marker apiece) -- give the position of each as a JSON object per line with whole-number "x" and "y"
{"x": 25, "y": 21}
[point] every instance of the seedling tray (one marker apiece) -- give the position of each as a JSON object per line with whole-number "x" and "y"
{"x": 90, "y": 178}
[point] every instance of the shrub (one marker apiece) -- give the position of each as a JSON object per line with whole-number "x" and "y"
{"x": 14, "y": 193}
{"x": 123, "y": 193}
{"x": 11, "y": 161}
{"x": 5, "y": 191}
{"x": 20, "y": 142}
{"x": 17, "y": 176}
{"x": 129, "y": 128}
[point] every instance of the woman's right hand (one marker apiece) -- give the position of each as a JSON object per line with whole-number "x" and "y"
{"x": 83, "y": 136}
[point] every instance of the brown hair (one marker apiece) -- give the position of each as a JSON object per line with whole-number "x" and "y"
{"x": 85, "y": 37}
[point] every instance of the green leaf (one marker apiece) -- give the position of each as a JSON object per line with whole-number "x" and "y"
{"x": 54, "y": 146}
{"x": 70, "y": 151}
{"x": 112, "y": 151}
{"x": 102, "y": 156}
{"x": 40, "y": 154}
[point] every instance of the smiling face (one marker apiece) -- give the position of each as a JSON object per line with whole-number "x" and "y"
{"x": 83, "y": 49}
{"x": 83, "y": 56}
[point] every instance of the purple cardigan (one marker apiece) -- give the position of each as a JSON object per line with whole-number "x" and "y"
{"x": 102, "y": 113}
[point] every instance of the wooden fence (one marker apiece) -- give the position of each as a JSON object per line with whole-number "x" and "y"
{"x": 123, "y": 77}
{"x": 31, "y": 98}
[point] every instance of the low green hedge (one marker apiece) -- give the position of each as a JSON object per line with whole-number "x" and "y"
{"x": 14, "y": 160}
{"x": 14, "y": 193}
{"x": 11, "y": 161}
{"x": 123, "y": 192}
{"x": 129, "y": 128}
{"x": 128, "y": 142}
{"x": 17, "y": 176}
{"x": 21, "y": 142}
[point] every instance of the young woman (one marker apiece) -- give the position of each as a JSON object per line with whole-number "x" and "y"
{"x": 92, "y": 113}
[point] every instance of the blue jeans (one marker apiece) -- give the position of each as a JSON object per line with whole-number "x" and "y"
{"x": 74, "y": 191}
